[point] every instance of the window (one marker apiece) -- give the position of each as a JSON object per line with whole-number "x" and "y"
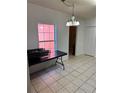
{"x": 47, "y": 37}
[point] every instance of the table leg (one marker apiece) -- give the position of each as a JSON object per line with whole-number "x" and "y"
{"x": 61, "y": 62}
{"x": 56, "y": 61}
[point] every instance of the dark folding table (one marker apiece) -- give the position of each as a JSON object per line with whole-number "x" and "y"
{"x": 54, "y": 55}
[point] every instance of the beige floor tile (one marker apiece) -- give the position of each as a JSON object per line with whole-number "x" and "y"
{"x": 36, "y": 81}
{"x": 80, "y": 91}
{"x": 46, "y": 90}
{"x": 64, "y": 81}
{"x": 82, "y": 77}
{"x": 71, "y": 87}
{"x": 63, "y": 90}
{"x": 75, "y": 67}
{"x": 91, "y": 82}
{"x": 59, "y": 70}
{"x": 69, "y": 69}
{"x": 89, "y": 75}
{"x": 45, "y": 76}
{"x": 64, "y": 73}
{"x": 94, "y": 91}
{"x": 57, "y": 76}
{"x": 70, "y": 77}
{"x": 55, "y": 87}
{"x": 78, "y": 77}
{"x": 87, "y": 88}
{"x": 81, "y": 70}
{"x": 78, "y": 82}
{"x": 49, "y": 81}
{"x": 75, "y": 73}
{"x": 40, "y": 86}
{"x": 93, "y": 78}
{"x": 33, "y": 90}
{"x": 91, "y": 71}
{"x": 87, "y": 65}
{"x": 52, "y": 73}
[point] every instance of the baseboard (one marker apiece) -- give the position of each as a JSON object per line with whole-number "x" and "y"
{"x": 90, "y": 55}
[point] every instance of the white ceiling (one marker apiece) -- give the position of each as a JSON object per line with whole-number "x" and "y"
{"x": 83, "y": 8}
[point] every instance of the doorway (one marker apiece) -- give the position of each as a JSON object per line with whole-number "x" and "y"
{"x": 72, "y": 40}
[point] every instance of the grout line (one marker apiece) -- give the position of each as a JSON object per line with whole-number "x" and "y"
{"x": 81, "y": 73}
{"x": 86, "y": 61}
{"x": 88, "y": 78}
{"x": 85, "y": 82}
{"x": 34, "y": 88}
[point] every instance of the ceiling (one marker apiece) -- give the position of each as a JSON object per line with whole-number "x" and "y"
{"x": 83, "y": 8}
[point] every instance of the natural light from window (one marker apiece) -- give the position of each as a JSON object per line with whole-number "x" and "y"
{"x": 46, "y": 37}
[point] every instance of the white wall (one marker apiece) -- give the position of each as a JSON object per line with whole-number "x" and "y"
{"x": 80, "y": 39}
{"x": 90, "y": 37}
{"x": 37, "y": 14}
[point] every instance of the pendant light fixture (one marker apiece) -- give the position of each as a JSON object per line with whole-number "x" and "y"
{"x": 72, "y": 20}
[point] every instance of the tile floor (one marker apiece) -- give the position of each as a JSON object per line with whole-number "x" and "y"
{"x": 79, "y": 76}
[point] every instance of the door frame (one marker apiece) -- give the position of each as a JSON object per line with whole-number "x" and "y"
{"x": 75, "y": 40}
